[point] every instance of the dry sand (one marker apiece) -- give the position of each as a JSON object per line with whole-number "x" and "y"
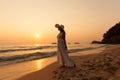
{"x": 103, "y": 66}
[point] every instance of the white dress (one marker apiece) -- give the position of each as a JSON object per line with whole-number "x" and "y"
{"x": 62, "y": 55}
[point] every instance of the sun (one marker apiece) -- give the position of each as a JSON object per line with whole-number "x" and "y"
{"x": 37, "y": 35}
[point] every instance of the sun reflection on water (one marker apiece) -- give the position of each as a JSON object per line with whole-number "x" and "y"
{"x": 37, "y": 45}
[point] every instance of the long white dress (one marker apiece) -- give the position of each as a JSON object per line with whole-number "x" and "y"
{"x": 62, "y": 55}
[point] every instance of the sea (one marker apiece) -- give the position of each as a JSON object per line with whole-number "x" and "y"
{"x": 11, "y": 54}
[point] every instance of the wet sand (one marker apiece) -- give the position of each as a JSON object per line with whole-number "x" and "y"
{"x": 14, "y": 71}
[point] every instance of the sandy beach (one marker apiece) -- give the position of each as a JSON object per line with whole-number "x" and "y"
{"x": 97, "y": 64}
{"x": 60, "y": 40}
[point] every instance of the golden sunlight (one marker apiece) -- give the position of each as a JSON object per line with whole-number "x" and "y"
{"x": 37, "y": 44}
{"x": 37, "y": 35}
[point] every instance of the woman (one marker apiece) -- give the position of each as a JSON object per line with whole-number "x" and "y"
{"x": 62, "y": 55}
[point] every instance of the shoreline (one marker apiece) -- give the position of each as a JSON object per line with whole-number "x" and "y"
{"x": 36, "y": 67}
{"x": 40, "y": 55}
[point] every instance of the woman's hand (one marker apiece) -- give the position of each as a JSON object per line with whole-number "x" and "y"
{"x": 66, "y": 48}
{"x": 63, "y": 37}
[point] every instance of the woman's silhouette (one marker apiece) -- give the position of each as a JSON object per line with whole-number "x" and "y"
{"x": 62, "y": 55}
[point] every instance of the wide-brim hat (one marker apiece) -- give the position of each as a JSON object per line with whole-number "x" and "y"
{"x": 59, "y": 26}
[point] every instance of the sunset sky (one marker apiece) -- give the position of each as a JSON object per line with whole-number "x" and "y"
{"x": 32, "y": 21}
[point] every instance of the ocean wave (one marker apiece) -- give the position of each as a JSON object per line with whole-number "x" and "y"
{"x": 27, "y": 56}
{"x": 25, "y": 49}
{"x": 37, "y": 55}
{"x": 85, "y": 49}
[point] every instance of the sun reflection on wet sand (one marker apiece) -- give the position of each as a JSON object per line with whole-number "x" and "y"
{"x": 39, "y": 64}
{"x": 42, "y": 63}
{"x": 24, "y": 68}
